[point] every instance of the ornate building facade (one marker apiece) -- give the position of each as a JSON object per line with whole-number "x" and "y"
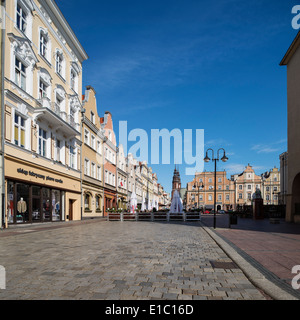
{"x": 43, "y": 103}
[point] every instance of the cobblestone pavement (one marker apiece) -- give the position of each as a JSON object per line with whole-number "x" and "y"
{"x": 119, "y": 261}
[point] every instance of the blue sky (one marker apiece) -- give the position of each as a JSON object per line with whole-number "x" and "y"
{"x": 192, "y": 64}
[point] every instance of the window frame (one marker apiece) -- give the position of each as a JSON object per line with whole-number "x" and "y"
{"x": 20, "y": 128}
{"x": 20, "y": 74}
{"x": 43, "y": 142}
{"x": 22, "y": 20}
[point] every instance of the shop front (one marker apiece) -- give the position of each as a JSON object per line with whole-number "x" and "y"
{"x": 36, "y": 195}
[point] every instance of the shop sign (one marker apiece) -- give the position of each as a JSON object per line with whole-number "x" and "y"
{"x": 38, "y": 176}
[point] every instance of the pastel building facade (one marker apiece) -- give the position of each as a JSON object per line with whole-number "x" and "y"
{"x": 42, "y": 103}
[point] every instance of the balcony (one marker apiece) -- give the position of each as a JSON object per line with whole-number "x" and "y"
{"x": 57, "y": 119}
{"x": 56, "y": 109}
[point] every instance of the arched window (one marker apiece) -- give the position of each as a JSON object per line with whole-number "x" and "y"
{"x": 98, "y": 202}
{"x": 87, "y": 201}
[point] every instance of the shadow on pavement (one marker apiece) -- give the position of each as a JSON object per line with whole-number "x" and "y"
{"x": 222, "y": 222}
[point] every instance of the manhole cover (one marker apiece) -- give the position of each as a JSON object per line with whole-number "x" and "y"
{"x": 223, "y": 265}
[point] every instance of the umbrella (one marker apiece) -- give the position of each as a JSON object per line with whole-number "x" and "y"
{"x": 143, "y": 204}
{"x": 133, "y": 202}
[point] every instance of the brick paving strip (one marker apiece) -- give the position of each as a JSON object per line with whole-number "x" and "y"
{"x": 259, "y": 275}
{"x": 120, "y": 261}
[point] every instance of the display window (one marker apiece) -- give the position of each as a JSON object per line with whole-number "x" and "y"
{"x": 30, "y": 203}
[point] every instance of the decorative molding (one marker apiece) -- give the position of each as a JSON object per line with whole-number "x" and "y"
{"x": 23, "y": 50}
{"x": 45, "y": 14}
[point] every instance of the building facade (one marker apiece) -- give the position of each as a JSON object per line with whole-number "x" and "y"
{"x": 283, "y": 178}
{"x": 42, "y": 103}
{"x": 271, "y": 186}
{"x": 122, "y": 179}
{"x": 292, "y": 197}
{"x": 110, "y": 167}
{"x": 246, "y": 184}
{"x": 92, "y": 158}
{"x": 200, "y": 191}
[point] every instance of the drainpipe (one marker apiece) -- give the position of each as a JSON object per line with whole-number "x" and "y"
{"x": 2, "y": 216}
{"x": 81, "y": 163}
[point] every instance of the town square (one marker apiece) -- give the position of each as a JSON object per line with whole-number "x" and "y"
{"x": 150, "y": 152}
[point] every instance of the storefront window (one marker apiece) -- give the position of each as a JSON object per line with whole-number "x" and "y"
{"x": 10, "y": 202}
{"x": 36, "y": 204}
{"x": 56, "y": 207}
{"x": 22, "y": 203}
{"x": 46, "y": 204}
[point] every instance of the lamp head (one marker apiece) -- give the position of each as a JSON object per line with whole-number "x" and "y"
{"x": 224, "y": 158}
{"x": 207, "y": 158}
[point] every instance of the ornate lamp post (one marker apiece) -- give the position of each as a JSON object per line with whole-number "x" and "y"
{"x": 207, "y": 159}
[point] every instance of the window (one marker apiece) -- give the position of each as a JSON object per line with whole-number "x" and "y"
{"x": 86, "y": 137}
{"x": 93, "y": 170}
{"x": 210, "y": 197}
{"x": 240, "y": 196}
{"x": 98, "y": 206}
{"x": 19, "y": 131}
{"x": 249, "y": 187}
{"x": 43, "y": 44}
{"x": 219, "y": 197}
{"x": 59, "y": 63}
{"x": 249, "y": 196}
{"x": 267, "y": 188}
{"x": 227, "y": 197}
{"x": 86, "y": 167}
{"x": 20, "y": 74}
{"x": 73, "y": 79}
{"x": 275, "y": 178}
{"x": 210, "y": 180}
{"x": 220, "y": 180}
{"x": 72, "y": 157}
{"x": 93, "y": 142}
{"x": 43, "y": 89}
{"x": 58, "y": 147}
{"x": 219, "y": 187}
{"x": 87, "y": 201}
{"x": 227, "y": 187}
{"x": 42, "y": 142}
{"x": 267, "y": 197}
{"x": 58, "y": 104}
{"x": 106, "y": 176}
{"x": 99, "y": 147}
{"x": 201, "y": 197}
{"x": 21, "y": 18}
{"x": 240, "y": 187}
{"x": 275, "y": 189}
{"x": 210, "y": 187}
{"x": 99, "y": 177}
{"x": 92, "y": 117}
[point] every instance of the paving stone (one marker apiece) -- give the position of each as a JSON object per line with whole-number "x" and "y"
{"x": 140, "y": 261}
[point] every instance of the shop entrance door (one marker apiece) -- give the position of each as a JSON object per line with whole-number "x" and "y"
{"x": 71, "y": 202}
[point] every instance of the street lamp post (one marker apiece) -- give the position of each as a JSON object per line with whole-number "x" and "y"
{"x": 207, "y": 159}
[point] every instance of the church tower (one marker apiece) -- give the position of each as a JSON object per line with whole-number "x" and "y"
{"x": 176, "y": 183}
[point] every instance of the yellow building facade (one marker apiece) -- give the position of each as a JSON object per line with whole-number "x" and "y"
{"x": 43, "y": 104}
{"x": 92, "y": 158}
